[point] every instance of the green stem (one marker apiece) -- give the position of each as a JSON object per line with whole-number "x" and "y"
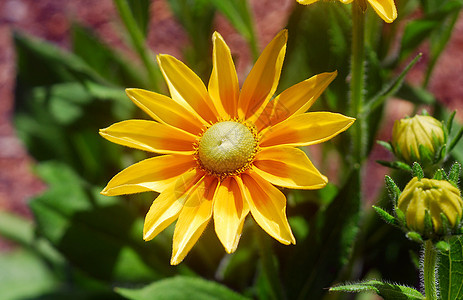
{"x": 429, "y": 270}
{"x": 138, "y": 42}
{"x": 269, "y": 264}
{"x": 357, "y": 83}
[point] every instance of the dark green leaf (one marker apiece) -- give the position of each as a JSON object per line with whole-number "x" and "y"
{"x": 415, "y": 33}
{"x": 141, "y": 13}
{"x": 451, "y": 270}
{"x": 95, "y": 233}
{"x": 415, "y": 94}
{"x": 55, "y": 64}
{"x": 390, "y": 88}
{"x": 328, "y": 246}
{"x": 106, "y": 61}
{"x": 418, "y": 30}
{"x": 181, "y": 288}
{"x": 388, "y": 291}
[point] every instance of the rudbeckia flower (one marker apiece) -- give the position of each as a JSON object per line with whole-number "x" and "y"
{"x": 384, "y": 8}
{"x": 222, "y": 149}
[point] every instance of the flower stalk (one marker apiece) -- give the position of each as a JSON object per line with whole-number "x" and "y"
{"x": 357, "y": 83}
{"x": 138, "y": 42}
{"x": 429, "y": 270}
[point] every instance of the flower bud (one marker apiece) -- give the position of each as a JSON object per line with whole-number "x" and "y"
{"x": 431, "y": 206}
{"x": 418, "y": 139}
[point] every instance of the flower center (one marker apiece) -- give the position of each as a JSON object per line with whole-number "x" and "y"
{"x": 227, "y": 148}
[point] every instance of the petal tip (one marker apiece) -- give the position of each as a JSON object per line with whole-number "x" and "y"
{"x": 103, "y": 132}
{"x": 175, "y": 260}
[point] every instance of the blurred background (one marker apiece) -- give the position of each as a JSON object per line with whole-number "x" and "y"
{"x": 62, "y": 23}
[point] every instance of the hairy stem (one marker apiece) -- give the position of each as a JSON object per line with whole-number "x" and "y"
{"x": 429, "y": 270}
{"x": 357, "y": 83}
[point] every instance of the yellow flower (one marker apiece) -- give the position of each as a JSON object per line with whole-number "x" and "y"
{"x": 384, "y": 8}
{"x": 413, "y": 137}
{"x": 433, "y": 197}
{"x": 222, "y": 148}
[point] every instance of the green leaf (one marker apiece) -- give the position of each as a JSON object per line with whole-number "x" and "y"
{"x": 240, "y": 16}
{"x": 389, "y": 89}
{"x": 313, "y": 265}
{"x": 416, "y": 94}
{"x": 393, "y": 189}
{"x": 107, "y": 62}
{"x": 454, "y": 173}
{"x": 181, "y": 288}
{"x": 55, "y": 64}
{"x": 395, "y": 165}
{"x": 388, "y": 218}
{"x": 417, "y": 171}
{"x": 419, "y": 30}
{"x": 24, "y": 276}
{"x": 415, "y": 236}
{"x": 141, "y": 13}
{"x": 99, "y": 235}
{"x": 385, "y": 290}
{"x": 450, "y": 266}
{"x": 16, "y": 228}
{"x": 196, "y": 17}
{"x": 386, "y": 145}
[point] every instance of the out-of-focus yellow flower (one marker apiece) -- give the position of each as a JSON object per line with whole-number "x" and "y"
{"x": 224, "y": 149}
{"x": 433, "y": 197}
{"x": 384, "y": 8}
{"x": 412, "y": 136}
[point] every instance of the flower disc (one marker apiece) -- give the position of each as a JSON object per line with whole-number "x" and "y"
{"x": 227, "y": 148}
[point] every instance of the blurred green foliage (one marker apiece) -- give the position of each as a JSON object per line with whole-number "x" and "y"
{"x": 86, "y": 246}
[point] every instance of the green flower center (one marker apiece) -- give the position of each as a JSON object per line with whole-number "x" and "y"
{"x": 227, "y": 148}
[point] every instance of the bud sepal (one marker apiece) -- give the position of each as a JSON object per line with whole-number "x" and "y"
{"x": 429, "y": 208}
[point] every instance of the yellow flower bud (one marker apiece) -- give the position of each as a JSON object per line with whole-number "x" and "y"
{"x": 435, "y": 197}
{"x": 411, "y": 134}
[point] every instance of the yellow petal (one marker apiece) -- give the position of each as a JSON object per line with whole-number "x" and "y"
{"x": 268, "y": 207}
{"x": 385, "y": 9}
{"x": 294, "y": 100}
{"x": 230, "y": 210}
{"x": 223, "y": 84}
{"x": 186, "y": 87}
{"x": 193, "y": 218}
{"x": 166, "y": 110}
{"x": 167, "y": 206}
{"x": 152, "y": 174}
{"x": 288, "y": 167}
{"x": 262, "y": 81}
{"x": 306, "y": 129}
{"x": 150, "y": 136}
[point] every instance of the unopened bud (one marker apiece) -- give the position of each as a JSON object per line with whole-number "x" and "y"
{"x": 418, "y": 139}
{"x": 431, "y": 207}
